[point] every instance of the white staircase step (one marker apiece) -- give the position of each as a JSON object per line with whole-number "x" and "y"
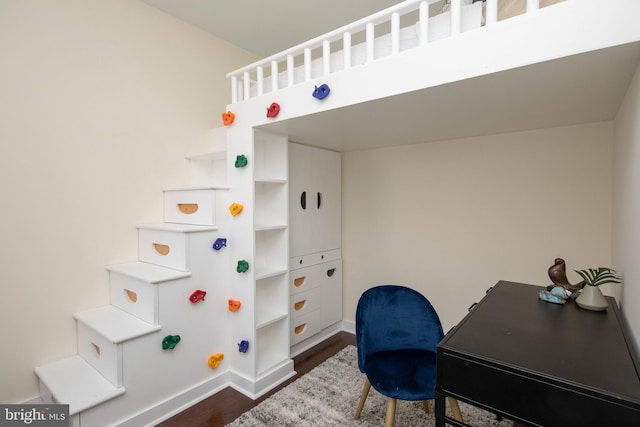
{"x": 74, "y": 382}
{"x": 177, "y": 228}
{"x": 134, "y": 287}
{"x": 167, "y": 244}
{"x": 214, "y": 149}
{"x": 102, "y": 333}
{"x": 146, "y": 272}
{"x": 209, "y": 161}
{"x": 197, "y": 187}
{"x": 114, "y": 324}
{"x": 190, "y": 205}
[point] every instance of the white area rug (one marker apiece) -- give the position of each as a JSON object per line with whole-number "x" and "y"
{"x": 329, "y": 395}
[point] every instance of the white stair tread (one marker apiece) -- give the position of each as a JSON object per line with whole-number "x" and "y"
{"x": 74, "y": 382}
{"x": 197, "y": 188}
{"x": 207, "y": 155}
{"x": 178, "y": 228}
{"x": 146, "y": 272}
{"x": 115, "y": 324}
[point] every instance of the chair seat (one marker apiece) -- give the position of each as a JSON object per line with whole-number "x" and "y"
{"x": 403, "y": 374}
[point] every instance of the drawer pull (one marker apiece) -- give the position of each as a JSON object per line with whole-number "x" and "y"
{"x": 96, "y": 349}
{"x": 161, "y": 249}
{"x": 330, "y": 272}
{"x": 300, "y": 329}
{"x": 299, "y": 281}
{"x": 299, "y": 305}
{"x": 188, "y": 208}
{"x": 132, "y": 296}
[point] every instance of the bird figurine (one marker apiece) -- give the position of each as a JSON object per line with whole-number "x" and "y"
{"x": 558, "y": 275}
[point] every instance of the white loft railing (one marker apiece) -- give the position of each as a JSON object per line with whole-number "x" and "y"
{"x": 249, "y": 81}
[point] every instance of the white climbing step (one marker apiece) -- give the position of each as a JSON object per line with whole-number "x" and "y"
{"x": 146, "y": 272}
{"x": 167, "y": 244}
{"x": 101, "y": 334}
{"x": 75, "y": 382}
{"x": 134, "y": 287}
{"x": 208, "y": 161}
{"x": 191, "y": 205}
{"x": 115, "y": 324}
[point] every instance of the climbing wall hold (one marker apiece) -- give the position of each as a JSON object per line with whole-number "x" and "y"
{"x": 215, "y": 359}
{"x": 243, "y": 266}
{"x": 243, "y": 346}
{"x": 197, "y": 296}
{"x": 273, "y": 109}
{"x": 241, "y": 161}
{"x": 321, "y": 91}
{"x": 235, "y": 208}
{"x": 228, "y": 117}
{"x": 219, "y": 243}
{"x": 170, "y": 342}
{"x": 234, "y": 305}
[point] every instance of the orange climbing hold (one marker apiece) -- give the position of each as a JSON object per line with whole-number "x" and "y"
{"x": 228, "y": 117}
{"x": 215, "y": 359}
{"x": 234, "y": 305}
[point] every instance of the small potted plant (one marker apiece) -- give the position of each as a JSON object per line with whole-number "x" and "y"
{"x": 591, "y": 297}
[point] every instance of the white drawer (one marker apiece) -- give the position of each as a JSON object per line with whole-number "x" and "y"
{"x": 303, "y": 302}
{"x": 136, "y": 297}
{"x": 305, "y": 326}
{"x": 313, "y": 259}
{"x": 303, "y": 279}
{"x": 164, "y": 248}
{"x": 103, "y": 355}
{"x": 196, "y": 207}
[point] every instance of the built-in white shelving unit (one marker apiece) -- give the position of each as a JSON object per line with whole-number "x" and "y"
{"x": 271, "y": 237}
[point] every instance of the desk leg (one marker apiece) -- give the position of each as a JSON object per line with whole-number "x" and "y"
{"x": 440, "y": 403}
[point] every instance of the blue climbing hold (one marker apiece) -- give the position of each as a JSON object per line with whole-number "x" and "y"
{"x": 322, "y": 91}
{"x": 219, "y": 243}
{"x": 243, "y": 346}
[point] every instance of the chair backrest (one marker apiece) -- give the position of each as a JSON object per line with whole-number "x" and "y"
{"x": 392, "y": 317}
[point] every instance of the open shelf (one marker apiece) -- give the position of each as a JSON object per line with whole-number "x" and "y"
{"x": 270, "y": 203}
{"x": 272, "y": 345}
{"x": 270, "y": 156}
{"x": 271, "y": 249}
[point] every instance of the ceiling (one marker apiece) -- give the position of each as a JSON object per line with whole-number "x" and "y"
{"x": 265, "y": 27}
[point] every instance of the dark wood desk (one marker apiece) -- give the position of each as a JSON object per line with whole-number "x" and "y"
{"x": 540, "y": 364}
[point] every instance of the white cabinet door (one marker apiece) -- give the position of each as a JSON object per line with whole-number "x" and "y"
{"x": 300, "y": 219}
{"x": 327, "y": 194}
{"x": 331, "y": 291}
{"x": 315, "y": 180}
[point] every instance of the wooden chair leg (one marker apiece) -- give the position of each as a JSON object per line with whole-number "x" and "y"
{"x": 425, "y": 403}
{"x": 455, "y": 409}
{"x": 363, "y": 397}
{"x": 391, "y": 413}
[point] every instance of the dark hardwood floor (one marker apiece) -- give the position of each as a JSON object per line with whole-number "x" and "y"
{"x": 227, "y": 405}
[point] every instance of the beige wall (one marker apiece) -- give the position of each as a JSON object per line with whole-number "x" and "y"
{"x": 452, "y": 218}
{"x": 99, "y": 102}
{"x": 626, "y": 205}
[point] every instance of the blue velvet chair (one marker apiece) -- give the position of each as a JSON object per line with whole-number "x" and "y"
{"x": 397, "y": 331}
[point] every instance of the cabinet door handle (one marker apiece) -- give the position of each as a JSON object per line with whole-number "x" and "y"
{"x": 319, "y": 199}
{"x": 303, "y": 200}
{"x": 330, "y": 272}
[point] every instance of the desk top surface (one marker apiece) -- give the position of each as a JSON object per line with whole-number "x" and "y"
{"x": 511, "y": 327}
